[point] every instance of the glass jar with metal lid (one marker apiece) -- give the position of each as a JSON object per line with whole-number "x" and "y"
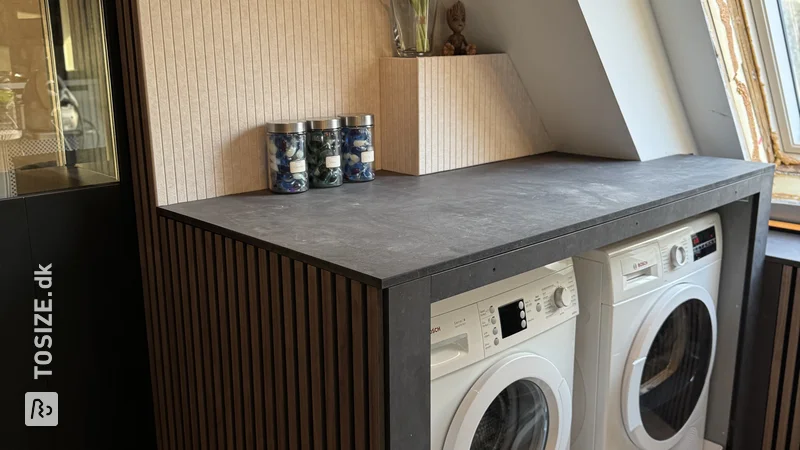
{"x": 286, "y": 148}
{"x": 324, "y": 153}
{"x": 358, "y": 154}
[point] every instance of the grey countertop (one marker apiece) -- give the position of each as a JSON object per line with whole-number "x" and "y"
{"x": 783, "y": 247}
{"x": 399, "y": 228}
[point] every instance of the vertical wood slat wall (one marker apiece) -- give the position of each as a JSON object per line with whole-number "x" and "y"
{"x": 231, "y": 366}
{"x": 444, "y": 113}
{"x": 215, "y": 72}
{"x": 782, "y": 424}
{"x": 254, "y": 350}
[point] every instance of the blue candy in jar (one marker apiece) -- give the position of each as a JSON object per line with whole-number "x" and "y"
{"x": 286, "y": 145}
{"x": 358, "y": 154}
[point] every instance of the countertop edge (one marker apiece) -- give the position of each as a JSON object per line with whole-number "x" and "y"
{"x": 783, "y": 247}
{"x": 556, "y": 234}
{"x": 269, "y": 246}
{"x": 395, "y": 280}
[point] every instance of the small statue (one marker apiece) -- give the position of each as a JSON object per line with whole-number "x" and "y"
{"x": 457, "y": 44}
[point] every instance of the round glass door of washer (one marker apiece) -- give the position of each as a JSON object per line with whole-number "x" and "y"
{"x": 521, "y": 403}
{"x": 517, "y": 419}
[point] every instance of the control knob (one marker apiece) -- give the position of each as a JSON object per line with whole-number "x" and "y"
{"x": 562, "y": 297}
{"x": 678, "y": 256}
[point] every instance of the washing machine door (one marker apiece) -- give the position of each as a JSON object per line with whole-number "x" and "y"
{"x": 669, "y": 367}
{"x": 521, "y": 403}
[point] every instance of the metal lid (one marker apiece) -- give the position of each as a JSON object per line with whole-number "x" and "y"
{"x": 324, "y": 123}
{"x": 286, "y": 126}
{"x": 358, "y": 120}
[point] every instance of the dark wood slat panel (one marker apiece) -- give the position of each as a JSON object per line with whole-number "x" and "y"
{"x": 290, "y": 340}
{"x": 171, "y": 288}
{"x": 303, "y": 382}
{"x": 376, "y": 369}
{"x": 267, "y": 325}
{"x": 236, "y": 362}
{"x": 185, "y": 332}
{"x": 784, "y": 422}
{"x": 255, "y": 346}
{"x": 210, "y": 241}
{"x": 167, "y": 342}
{"x": 777, "y": 356}
{"x": 180, "y": 340}
{"x": 244, "y": 332}
{"x": 158, "y": 360}
{"x": 794, "y": 432}
{"x": 317, "y": 365}
{"x": 179, "y": 285}
{"x": 264, "y": 350}
{"x": 277, "y": 342}
{"x": 330, "y": 350}
{"x": 225, "y": 346}
{"x": 359, "y": 375}
{"x": 343, "y": 336}
{"x": 205, "y": 337}
{"x": 196, "y": 356}
{"x": 144, "y": 205}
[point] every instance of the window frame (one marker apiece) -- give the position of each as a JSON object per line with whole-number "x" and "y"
{"x": 783, "y": 93}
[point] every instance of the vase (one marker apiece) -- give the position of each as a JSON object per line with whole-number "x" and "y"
{"x": 413, "y": 23}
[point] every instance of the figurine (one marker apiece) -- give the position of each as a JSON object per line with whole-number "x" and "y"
{"x": 457, "y": 44}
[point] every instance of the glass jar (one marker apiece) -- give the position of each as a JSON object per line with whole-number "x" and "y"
{"x": 324, "y": 153}
{"x": 286, "y": 151}
{"x": 358, "y": 154}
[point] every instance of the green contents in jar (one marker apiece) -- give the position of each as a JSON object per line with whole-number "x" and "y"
{"x": 324, "y": 153}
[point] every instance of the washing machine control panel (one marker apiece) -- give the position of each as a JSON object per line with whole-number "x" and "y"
{"x": 480, "y": 323}
{"x": 522, "y": 313}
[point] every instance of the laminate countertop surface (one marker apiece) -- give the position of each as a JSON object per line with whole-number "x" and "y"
{"x": 399, "y": 228}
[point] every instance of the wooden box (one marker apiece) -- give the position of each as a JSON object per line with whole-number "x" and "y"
{"x": 448, "y": 112}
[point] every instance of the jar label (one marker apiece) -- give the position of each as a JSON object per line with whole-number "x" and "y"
{"x": 297, "y": 166}
{"x": 333, "y": 162}
{"x": 368, "y": 156}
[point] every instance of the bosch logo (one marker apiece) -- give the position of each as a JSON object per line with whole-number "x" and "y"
{"x": 639, "y": 265}
{"x": 436, "y": 329}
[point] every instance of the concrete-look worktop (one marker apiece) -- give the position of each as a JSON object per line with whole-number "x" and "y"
{"x": 400, "y": 228}
{"x": 399, "y": 243}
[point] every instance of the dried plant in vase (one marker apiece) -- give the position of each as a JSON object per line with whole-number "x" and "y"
{"x": 413, "y": 26}
{"x": 457, "y": 44}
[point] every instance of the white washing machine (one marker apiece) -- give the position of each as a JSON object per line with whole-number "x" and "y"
{"x": 646, "y": 339}
{"x": 501, "y": 363}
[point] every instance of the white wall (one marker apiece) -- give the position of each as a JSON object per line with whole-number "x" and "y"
{"x": 597, "y": 71}
{"x": 628, "y": 42}
{"x": 550, "y": 46}
{"x": 696, "y": 69}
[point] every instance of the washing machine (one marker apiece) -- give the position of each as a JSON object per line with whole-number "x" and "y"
{"x": 646, "y": 339}
{"x": 501, "y": 363}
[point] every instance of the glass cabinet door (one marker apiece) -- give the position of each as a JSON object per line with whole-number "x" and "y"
{"x": 56, "y": 129}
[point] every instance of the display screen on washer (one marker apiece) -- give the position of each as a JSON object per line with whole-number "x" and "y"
{"x": 512, "y": 318}
{"x": 704, "y": 243}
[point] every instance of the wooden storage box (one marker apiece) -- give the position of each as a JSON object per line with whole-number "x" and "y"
{"x": 448, "y": 112}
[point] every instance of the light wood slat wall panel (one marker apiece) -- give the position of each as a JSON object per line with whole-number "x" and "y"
{"x": 215, "y": 72}
{"x": 263, "y": 351}
{"x": 445, "y": 113}
{"x": 782, "y": 423}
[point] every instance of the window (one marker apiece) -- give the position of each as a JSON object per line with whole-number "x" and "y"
{"x": 56, "y": 129}
{"x": 778, "y": 24}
